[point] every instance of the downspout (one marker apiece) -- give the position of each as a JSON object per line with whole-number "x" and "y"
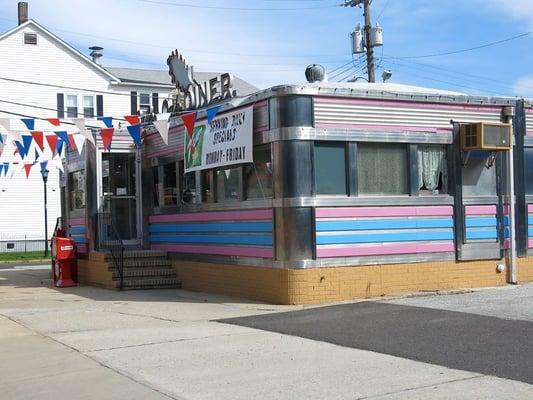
{"x": 508, "y": 113}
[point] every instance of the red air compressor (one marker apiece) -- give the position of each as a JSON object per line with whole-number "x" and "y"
{"x": 64, "y": 260}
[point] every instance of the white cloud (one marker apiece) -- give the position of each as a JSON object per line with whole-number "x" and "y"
{"x": 521, "y": 10}
{"x": 524, "y": 87}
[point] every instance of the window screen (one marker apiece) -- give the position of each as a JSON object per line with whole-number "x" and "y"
{"x": 382, "y": 168}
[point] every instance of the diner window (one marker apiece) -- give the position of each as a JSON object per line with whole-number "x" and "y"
{"x": 432, "y": 169}
{"x": 88, "y": 106}
{"x": 76, "y": 184}
{"x": 170, "y": 189}
{"x": 144, "y": 103}
{"x": 227, "y": 184}
{"x": 258, "y": 175}
{"x": 208, "y": 194}
{"x": 72, "y": 106}
{"x": 528, "y": 161}
{"x": 157, "y": 192}
{"x": 188, "y": 186}
{"x": 382, "y": 168}
{"x": 330, "y": 168}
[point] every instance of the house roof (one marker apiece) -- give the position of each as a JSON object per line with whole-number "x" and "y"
{"x": 67, "y": 46}
{"x": 129, "y": 75}
{"x": 162, "y": 77}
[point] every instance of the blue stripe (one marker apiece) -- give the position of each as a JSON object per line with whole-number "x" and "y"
{"x": 211, "y": 227}
{"x": 77, "y": 230}
{"x": 376, "y": 224}
{"x": 530, "y": 219}
{"x": 212, "y": 239}
{"x": 481, "y": 234}
{"x": 473, "y": 222}
{"x": 446, "y": 234}
{"x": 79, "y": 239}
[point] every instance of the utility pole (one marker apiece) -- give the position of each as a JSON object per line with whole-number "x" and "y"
{"x": 368, "y": 36}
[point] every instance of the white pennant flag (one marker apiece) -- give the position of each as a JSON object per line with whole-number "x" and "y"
{"x": 16, "y": 136}
{"x": 80, "y": 124}
{"x": 162, "y": 125}
{"x": 6, "y": 123}
{"x": 79, "y": 139}
{"x": 58, "y": 163}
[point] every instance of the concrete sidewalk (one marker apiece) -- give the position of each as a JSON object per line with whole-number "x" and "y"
{"x": 85, "y": 343}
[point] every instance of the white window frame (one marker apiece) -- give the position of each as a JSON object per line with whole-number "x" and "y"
{"x": 67, "y": 95}
{"x": 83, "y": 96}
{"x": 149, "y": 104}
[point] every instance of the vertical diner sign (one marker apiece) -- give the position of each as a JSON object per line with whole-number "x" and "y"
{"x": 227, "y": 140}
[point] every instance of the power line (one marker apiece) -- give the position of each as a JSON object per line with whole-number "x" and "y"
{"x": 342, "y": 72}
{"x": 467, "y": 49}
{"x": 342, "y": 66}
{"x": 188, "y": 5}
{"x": 447, "y": 82}
{"x": 383, "y": 10}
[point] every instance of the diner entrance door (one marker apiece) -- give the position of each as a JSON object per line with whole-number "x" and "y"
{"x": 119, "y": 203}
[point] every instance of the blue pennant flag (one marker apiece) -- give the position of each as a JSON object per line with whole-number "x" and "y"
{"x": 21, "y": 149}
{"x": 43, "y": 166}
{"x": 63, "y": 135}
{"x": 212, "y": 113}
{"x": 29, "y": 122}
{"x": 6, "y": 167}
{"x": 3, "y": 138}
{"x": 135, "y": 133}
{"x": 36, "y": 155}
{"x": 59, "y": 146}
{"x": 108, "y": 121}
{"x": 1, "y": 168}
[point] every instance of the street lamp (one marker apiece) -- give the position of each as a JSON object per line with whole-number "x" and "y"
{"x": 44, "y": 174}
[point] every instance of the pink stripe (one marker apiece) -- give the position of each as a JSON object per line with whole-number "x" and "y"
{"x": 262, "y": 252}
{"x": 166, "y": 151}
{"x": 81, "y": 248}
{"x": 530, "y": 243}
{"x": 261, "y": 129}
{"x": 530, "y": 208}
{"x": 529, "y": 110}
{"x": 373, "y": 250}
{"x": 260, "y": 104}
{"x": 76, "y": 221}
{"x": 214, "y": 216}
{"x": 404, "y": 103}
{"x": 399, "y": 128}
{"x": 384, "y": 211}
{"x": 480, "y": 210}
{"x": 529, "y": 133}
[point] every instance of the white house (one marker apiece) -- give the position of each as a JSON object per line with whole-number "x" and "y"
{"x": 42, "y": 76}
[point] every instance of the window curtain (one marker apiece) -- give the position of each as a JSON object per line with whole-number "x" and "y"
{"x": 382, "y": 168}
{"x": 431, "y": 163}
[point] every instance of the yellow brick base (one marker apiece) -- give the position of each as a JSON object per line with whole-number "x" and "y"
{"x": 94, "y": 271}
{"x": 525, "y": 269}
{"x": 323, "y": 285}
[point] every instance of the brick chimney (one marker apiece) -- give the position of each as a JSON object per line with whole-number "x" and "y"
{"x": 23, "y": 12}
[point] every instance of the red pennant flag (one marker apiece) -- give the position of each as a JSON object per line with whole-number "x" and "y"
{"x": 189, "y": 120}
{"x": 54, "y": 121}
{"x": 39, "y": 139}
{"x": 107, "y": 137}
{"x": 52, "y": 142}
{"x": 72, "y": 142}
{"x": 27, "y": 167}
{"x": 132, "y": 119}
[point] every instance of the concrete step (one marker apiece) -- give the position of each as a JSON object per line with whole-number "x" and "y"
{"x": 144, "y": 272}
{"x": 105, "y": 255}
{"x": 150, "y": 283}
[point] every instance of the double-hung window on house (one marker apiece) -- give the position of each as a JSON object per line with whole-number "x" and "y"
{"x": 79, "y": 105}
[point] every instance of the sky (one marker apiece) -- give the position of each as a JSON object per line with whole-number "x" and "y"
{"x": 270, "y": 42}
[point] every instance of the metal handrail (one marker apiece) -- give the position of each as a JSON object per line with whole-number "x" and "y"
{"x": 110, "y": 239}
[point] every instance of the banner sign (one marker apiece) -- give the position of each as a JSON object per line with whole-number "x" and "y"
{"x": 227, "y": 140}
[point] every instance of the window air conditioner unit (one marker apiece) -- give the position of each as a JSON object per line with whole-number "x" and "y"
{"x": 489, "y": 136}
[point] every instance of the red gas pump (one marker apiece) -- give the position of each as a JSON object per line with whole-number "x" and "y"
{"x": 64, "y": 261}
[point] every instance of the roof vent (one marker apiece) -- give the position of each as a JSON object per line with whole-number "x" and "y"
{"x": 96, "y": 54}
{"x": 23, "y": 12}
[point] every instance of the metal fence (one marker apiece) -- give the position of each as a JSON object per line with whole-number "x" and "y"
{"x": 20, "y": 243}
